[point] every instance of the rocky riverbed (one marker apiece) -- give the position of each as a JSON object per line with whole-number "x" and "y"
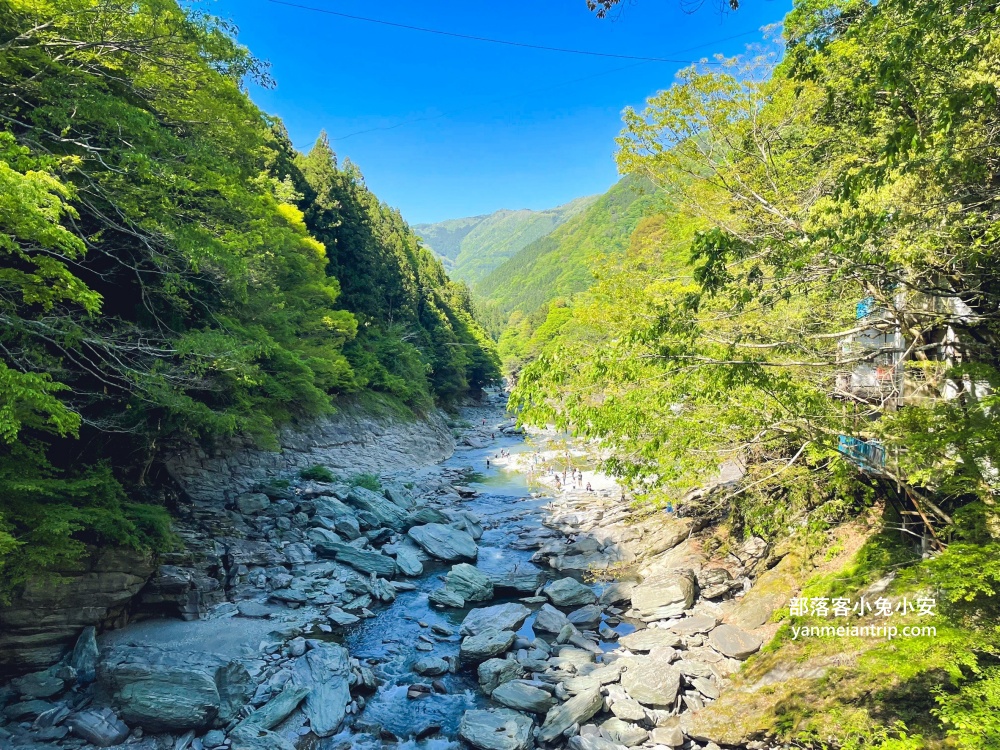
{"x": 456, "y": 605}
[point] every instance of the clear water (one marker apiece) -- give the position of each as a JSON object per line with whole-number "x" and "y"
{"x": 507, "y": 510}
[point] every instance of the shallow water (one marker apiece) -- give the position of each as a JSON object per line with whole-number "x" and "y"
{"x": 507, "y": 510}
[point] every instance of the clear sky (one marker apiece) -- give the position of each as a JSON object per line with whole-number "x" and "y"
{"x": 460, "y": 127}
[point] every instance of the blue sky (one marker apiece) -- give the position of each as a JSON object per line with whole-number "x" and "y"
{"x": 479, "y": 126}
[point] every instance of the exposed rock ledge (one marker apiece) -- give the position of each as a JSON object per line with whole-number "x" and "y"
{"x": 46, "y": 618}
{"x": 350, "y": 441}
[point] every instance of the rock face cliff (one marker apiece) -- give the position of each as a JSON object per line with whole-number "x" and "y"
{"x": 48, "y": 615}
{"x": 349, "y": 442}
{"x": 111, "y": 587}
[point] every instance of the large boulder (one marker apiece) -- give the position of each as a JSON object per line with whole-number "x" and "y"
{"x": 166, "y": 690}
{"x": 495, "y": 672}
{"x": 550, "y": 620}
{"x": 508, "y": 616}
{"x": 84, "y": 656}
{"x": 251, "y": 503}
{"x": 98, "y": 727}
{"x": 425, "y": 515}
{"x": 367, "y": 562}
{"x": 650, "y": 638}
{"x": 483, "y": 645}
{"x": 576, "y": 710}
{"x": 444, "y": 542}
{"x": 523, "y": 578}
{"x": 569, "y": 592}
{"x": 276, "y": 710}
{"x": 500, "y": 729}
{"x": 44, "y": 620}
{"x": 734, "y": 642}
{"x": 523, "y": 697}
{"x": 408, "y": 561}
{"x": 651, "y": 681}
{"x": 664, "y": 595}
{"x": 325, "y": 671}
{"x": 469, "y": 582}
{"x": 387, "y": 512}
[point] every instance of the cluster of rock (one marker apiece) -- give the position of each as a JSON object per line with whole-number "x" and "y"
{"x": 312, "y": 558}
{"x": 578, "y": 683}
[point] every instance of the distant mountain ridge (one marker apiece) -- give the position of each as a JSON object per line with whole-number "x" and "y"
{"x": 558, "y": 263}
{"x": 472, "y": 247}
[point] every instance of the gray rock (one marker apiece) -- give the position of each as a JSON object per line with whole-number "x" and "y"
{"x": 691, "y": 669}
{"x": 430, "y": 666}
{"x": 508, "y": 616}
{"x": 650, "y": 638}
{"x": 214, "y": 738}
{"x": 586, "y": 617}
{"x": 499, "y": 729}
{"x": 324, "y": 671}
{"x": 706, "y": 687}
{"x": 662, "y": 596}
{"x": 523, "y": 578}
{"x": 255, "y": 738}
{"x": 347, "y": 526}
{"x": 98, "y": 727}
{"x": 619, "y": 591}
{"x": 167, "y": 690}
{"x": 341, "y": 618}
{"x": 388, "y": 513}
{"x": 623, "y": 732}
{"x": 446, "y": 598}
{"x": 408, "y": 562}
{"x": 250, "y": 553}
{"x": 495, "y": 672}
{"x": 277, "y": 709}
{"x": 84, "y": 656}
{"x": 628, "y": 709}
{"x": 470, "y": 583}
{"x": 399, "y": 495}
{"x": 426, "y": 515}
{"x": 483, "y": 645}
{"x": 252, "y": 503}
{"x": 576, "y": 710}
{"x": 466, "y": 521}
{"x": 299, "y": 553}
{"x": 38, "y": 685}
{"x": 523, "y": 697}
{"x": 27, "y": 710}
{"x": 253, "y": 609}
{"x": 569, "y": 592}
{"x": 734, "y": 642}
{"x": 550, "y": 620}
{"x": 367, "y": 562}
{"x": 650, "y": 682}
{"x": 694, "y": 624}
{"x": 591, "y": 742}
{"x": 444, "y": 542}
{"x": 671, "y": 736}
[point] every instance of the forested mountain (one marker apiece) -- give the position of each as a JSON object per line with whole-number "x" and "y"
{"x": 819, "y": 306}
{"x": 514, "y": 299}
{"x": 472, "y": 247}
{"x": 174, "y": 271}
{"x": 558, "y": 264}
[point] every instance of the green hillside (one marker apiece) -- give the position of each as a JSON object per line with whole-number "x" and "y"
{"x": 472, "y": 247}
{"x": 558, "y": 264}
{"x": 445, "y": 237}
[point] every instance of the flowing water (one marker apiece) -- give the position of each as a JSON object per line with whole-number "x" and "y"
{"x": 388, "y": 640}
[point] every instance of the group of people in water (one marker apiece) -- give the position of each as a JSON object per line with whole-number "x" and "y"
{"x": 569, "y": 475}
{"x": 575, "y": 476}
